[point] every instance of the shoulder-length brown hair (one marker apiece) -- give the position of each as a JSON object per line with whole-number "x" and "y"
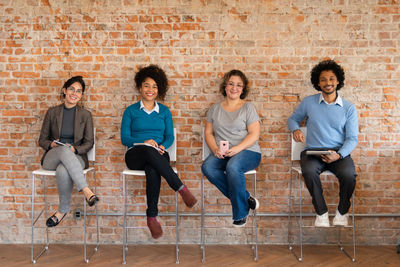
{"x": 226, "y": 78}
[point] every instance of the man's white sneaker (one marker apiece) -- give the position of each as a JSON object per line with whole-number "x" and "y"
{"x": 322, "y": 220}
{"x": 340, "y": 220}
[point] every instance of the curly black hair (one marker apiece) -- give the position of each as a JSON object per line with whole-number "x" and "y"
{"x": 324, "y": 66}
{"x": 157, "y": 74}
{"x": 70, "y": 82}
{"x": 226, "y": 78}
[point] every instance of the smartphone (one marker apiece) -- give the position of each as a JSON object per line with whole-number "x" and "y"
{"x": 223, "y": 147}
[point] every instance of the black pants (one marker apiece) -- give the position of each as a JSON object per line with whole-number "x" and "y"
{"x": 313, "y": 166}
{"x": 154, "y": 165}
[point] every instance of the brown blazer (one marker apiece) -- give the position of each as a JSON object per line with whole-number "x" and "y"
{"x": 83, "y": 130}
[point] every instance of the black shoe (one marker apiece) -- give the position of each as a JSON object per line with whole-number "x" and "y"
{"x": 240, "y": 223}
{"x": 92, "y": 200}
{"x": 53, "y": 220}
{"x": 253, "y": 203}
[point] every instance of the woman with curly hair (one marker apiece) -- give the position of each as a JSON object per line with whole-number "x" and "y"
{"x": 147, "y": 131}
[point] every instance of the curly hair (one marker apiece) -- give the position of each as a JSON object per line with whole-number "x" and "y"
{"x": 324, "y": 66}
{"x": 226, "y": 78}
{"x": 70, "y": 82}
{"x": 157, "y": 74}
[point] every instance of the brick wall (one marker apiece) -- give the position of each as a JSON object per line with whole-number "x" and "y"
{"x": 276, "y": 43}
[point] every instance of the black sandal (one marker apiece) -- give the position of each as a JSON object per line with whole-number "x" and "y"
{"x": 53, "y": 220}
{"x": 92, "y": 200}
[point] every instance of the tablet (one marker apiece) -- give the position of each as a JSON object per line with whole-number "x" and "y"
{"x": 59, "y": 143}
{"x": 318, "y": 152}
{"x": 146, "y": 144}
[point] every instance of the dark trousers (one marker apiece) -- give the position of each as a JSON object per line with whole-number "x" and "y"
{"x": 344, "y": 170}
{"x": 154, "y": 165}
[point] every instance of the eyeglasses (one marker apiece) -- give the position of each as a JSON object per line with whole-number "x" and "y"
{"x": 231, "y": 84}
{"x": 73, "y": 90}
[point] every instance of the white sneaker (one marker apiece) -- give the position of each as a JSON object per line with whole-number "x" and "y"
{"x": 322, "y": 220}
{"x": 340, "y": 220}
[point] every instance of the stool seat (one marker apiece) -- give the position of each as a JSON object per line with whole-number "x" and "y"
{"x": 44, "y": 172}
{"x": 140, "y": 172}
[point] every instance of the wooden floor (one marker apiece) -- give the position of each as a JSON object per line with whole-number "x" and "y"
{"x": 190, "y": 255}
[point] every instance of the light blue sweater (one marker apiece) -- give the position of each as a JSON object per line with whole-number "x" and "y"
{"x": 328, "y": 126}
{"x": 137, "y": 126}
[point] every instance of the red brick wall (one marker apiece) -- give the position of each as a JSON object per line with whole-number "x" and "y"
{"x": 276, "y": 43}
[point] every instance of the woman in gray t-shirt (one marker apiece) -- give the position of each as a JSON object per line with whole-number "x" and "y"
{"x": 232, "y": 131}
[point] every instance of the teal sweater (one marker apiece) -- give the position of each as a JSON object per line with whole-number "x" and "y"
{"x": 137, "y": 126}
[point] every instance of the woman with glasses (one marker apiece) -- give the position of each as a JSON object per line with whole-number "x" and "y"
{"x": 232, "y": 131}
{"x": 147, "y": 131}
{"x": 66, "y": 136}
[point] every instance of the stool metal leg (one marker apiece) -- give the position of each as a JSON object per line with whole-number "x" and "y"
{"x": 255, "y": 225}
{"x": 353, "y": 258}
{"x": 33, "y": 217}
{"x": 290, "y": 211}
{"x": 301, "y": 219}
{"x": 176, "y": 227}
{"x": 298, "y": 220}
{"x": 255, "y": 215}
{"x": 34, "y": 220}
{"x": 354, "y": 228}
{"x": 124, "y": 232}
{"x": 86, "y": 259}
{"x": 97, "y": 217}
{"x": 202, "y": 241}
{"x": 84, "y": 229}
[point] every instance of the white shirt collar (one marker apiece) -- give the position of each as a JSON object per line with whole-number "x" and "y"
{"x": 156, "y": 108}
{"x": 338, "y": 100}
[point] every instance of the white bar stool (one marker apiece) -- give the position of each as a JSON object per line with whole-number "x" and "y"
{"x": 296, "y": 149}
{"x": 254, "y": 227}
{"x": 44, "y": 173}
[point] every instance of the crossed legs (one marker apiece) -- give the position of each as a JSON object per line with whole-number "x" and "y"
{"x": 68, "y": 167}
{"x": 156, "y": 165}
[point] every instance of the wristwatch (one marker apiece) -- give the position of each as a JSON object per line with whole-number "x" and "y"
{"x": 340, "y": 155}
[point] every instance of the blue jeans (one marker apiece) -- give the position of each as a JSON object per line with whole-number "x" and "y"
{"x": 228, "y": 176}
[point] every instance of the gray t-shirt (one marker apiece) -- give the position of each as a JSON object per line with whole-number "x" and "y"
{"x": 232, "y": 126}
